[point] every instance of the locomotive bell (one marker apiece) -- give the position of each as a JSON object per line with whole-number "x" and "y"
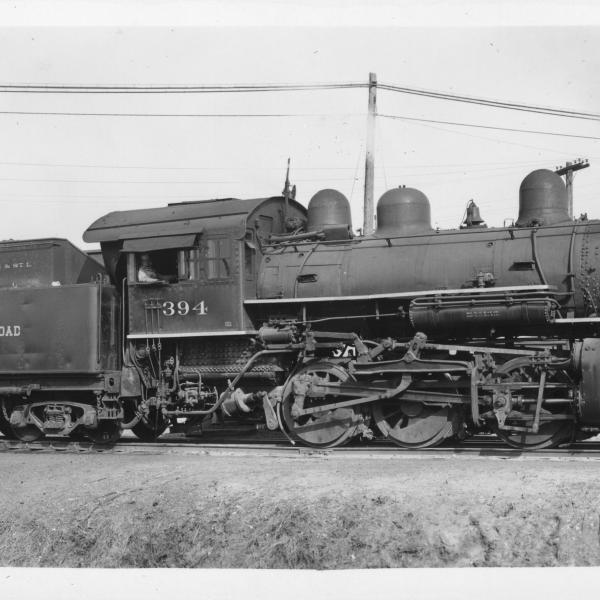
{"x": 403, "y": 211}
{"x": 473, "y": 218}
{"x": 330, "y": 210}
{"x": 542, "y": 199}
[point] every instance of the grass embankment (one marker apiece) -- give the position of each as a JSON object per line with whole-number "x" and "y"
{"x": 190, "y": 525}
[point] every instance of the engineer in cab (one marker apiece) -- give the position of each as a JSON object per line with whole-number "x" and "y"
{"x": 148, "y": 274}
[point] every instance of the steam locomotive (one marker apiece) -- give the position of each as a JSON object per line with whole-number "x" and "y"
{"x": 267, "y": 314}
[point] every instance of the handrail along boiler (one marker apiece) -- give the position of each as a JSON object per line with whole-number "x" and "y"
{"x": 269, "y": 314}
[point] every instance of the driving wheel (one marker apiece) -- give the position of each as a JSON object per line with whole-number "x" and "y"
{"x": 414, "y": 424}
{"x": 551, "y": 432}
{"x": 324, "y": 429}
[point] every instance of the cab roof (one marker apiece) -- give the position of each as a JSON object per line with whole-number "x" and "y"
{"x": 176, "y": 219}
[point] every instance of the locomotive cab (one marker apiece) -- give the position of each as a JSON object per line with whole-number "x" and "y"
{"x": 185, "y": 271}
{"x": 202, "y": 259}
{"x": 193, "y": 289}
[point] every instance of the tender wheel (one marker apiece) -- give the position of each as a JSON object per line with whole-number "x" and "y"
{"x": 29, "y": 433}
{"x": 413, "y": 424}
{"x": 323, "y": 429}
{"x": 25, "y": 433}
{"x": 551, "y": 433}
{"x": 5, "y": 426}
{"x": 107, "y": 432}
{"x": 78, "y": 435}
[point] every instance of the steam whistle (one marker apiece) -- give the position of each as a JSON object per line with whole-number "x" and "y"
{"x": 290, "y": 223}
{"x": 286, "y": 191}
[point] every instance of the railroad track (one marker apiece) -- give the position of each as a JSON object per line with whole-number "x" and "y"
{"x": 476, "y": 447}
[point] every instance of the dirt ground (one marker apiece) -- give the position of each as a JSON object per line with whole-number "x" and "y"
{"x": 323, "y": 512}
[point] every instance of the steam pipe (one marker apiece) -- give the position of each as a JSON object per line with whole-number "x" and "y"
{"x": 231, "y": 387}
{"x": 538, "y": 266}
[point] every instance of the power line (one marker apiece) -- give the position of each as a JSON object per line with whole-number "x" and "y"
{"x": 253, "y": 88}
{"x": 559, "y": 112}
{"x": 292, "y": 115}
{"x": 495, "y": 140}
{"x": 262, "y": 167}
{"x": 148, "y": 182}
{"x": 185, "y": 115}
{"x": 174, "y": 89}
{"x": 102, "y": 196}
{"x": 111, "y": 181}
{"x": 158, "y": 168}
{"x": 485, "y": 172}
{"x": 51, "y": 200}
{"x": 479, "y": 126}
{"x": 491, "y": 171}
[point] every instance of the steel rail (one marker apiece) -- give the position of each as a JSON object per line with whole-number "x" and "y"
{"x": 475, "y": 447}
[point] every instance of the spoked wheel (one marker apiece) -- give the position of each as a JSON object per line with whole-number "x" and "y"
{"x": 551, "y": 433}
{"x": 107, "y": 432}
{"x": 145, "y": 431}
{"x": 321, "y": 429}
{"x": 413, "y": 424}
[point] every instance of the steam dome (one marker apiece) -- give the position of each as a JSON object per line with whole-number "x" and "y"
{"x": 328, "y": 208}
{"x": 403, "y": 211}
{"x": 542, "y": 199}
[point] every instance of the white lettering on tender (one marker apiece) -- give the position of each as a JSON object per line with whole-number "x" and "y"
{"x": 10, "y": 330}
{"x": 16, "y": 265}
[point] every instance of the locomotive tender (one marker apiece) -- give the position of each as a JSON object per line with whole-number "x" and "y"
{"x": 269, "y": 314}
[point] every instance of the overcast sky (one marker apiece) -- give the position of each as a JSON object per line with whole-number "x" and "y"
{"x": 60, "y": 173}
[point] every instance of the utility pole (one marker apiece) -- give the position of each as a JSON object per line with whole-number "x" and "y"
{"x": 568, "y": 172}
{"x": 368, "y": 208}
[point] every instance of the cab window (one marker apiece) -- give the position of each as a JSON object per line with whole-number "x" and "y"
{"x": 218, "y": 259}
{"x": 156, "y": 265}
{"x": 210, "y": 261}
